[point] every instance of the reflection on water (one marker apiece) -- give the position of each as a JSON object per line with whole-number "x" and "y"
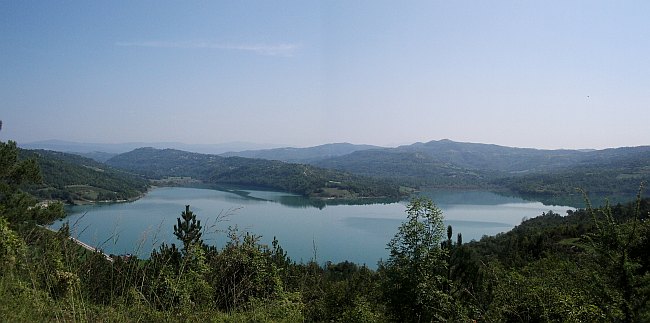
{"x": 303, "y": 202}
{"x": 468, "y": 197}
{"x": 296, "y": 201}
{"x": 381, "y": 225}
{"x": 339, "y": 230}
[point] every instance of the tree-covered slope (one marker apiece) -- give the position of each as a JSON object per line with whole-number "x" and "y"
{"x": 611, "y": 173}
{"x": 548, "y": 175}
{"x": 296, "y": 178}
{"x": 73, "y": 178}
{"x": 409, "y": 168}
{"x": 487, "y": 157}
{"x": 302, "y": 155}
{"x": 160, "y": 163}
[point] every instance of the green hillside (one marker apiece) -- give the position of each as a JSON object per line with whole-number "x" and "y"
{"x": 614, "y": 174}
{"x": 77, "y": 179}
{"x": 487, "y": 157}
{"x": 302, "y": 155}
{"x": 409, "y": 168}
{"x": 212, "y": 169}
{"x": 548, "y": 175}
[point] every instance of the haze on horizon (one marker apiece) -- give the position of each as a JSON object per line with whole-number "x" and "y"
{"x": 552, "y": 74}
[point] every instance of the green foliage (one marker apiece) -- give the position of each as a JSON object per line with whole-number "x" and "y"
{"x": 340, "y": 292}
{"x": 549, "y": 290}
{"x": 562, "y": 268}
{"x": 18, "y": 207}
{"x": 14, "y": 172}
{"x": 19, "y": 302}
{"x": 414, "y": 276}
{"x": 241, "y": 275}
{"x": 14, "y": 204}
{"x": 177, "y": 281}
{"x": 620, "y": 247}
{"x": 286, "y": 307}
{"x": 12, "y": 248}
{"x": 188, "y": 229}
{"x": 242, "y": 271}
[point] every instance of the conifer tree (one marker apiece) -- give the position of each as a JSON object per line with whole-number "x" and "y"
{"x": 188, "y": 229}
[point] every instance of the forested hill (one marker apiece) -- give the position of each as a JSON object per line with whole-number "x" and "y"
{"x": 494, "y": 157}
{"x": 75, "y": 179}
{"x": 473, "y": 156}
{"x": 548, "y": 175}
{"x": 614, "y": 174}
{"x": 446, "y": 163}
{"x": 409, "y": 168}
{"x": 303, "y": 155}
{"x": 296, "y": 178}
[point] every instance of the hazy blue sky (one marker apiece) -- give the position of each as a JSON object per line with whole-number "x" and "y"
{"x": 543, "y": 74}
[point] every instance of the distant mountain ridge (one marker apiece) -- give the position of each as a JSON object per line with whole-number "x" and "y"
{"x": 118, "y": 148}
{"x": 498, "y": 159}
{"x": 303, "y": 155}
{"x": 473, "y": 156}
{"x": 549, "y": 175}
{"x": 494, "y": 157}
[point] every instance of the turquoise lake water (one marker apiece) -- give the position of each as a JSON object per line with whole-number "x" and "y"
{"x": 305, "y": 229}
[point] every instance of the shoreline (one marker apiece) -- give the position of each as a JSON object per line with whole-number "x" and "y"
{"x": 317, "y": 200}
{"x": 132, "y": 199}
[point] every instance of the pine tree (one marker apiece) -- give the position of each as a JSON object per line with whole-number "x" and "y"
{"x": 188, "y": 229}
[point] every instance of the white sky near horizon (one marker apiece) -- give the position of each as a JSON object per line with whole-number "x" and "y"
{"x": 541, "y": 74}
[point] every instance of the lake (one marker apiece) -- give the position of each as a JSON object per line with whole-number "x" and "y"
{"x": 306, "y": 229}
